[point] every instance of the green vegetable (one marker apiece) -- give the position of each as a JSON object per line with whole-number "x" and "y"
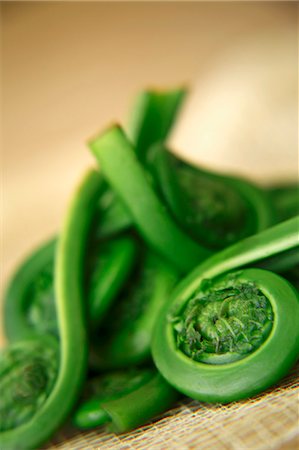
{"x": 216, "y": 210}
{"x": 28, "y": 372}
{"x": 29, "y": 303}
{"x": 108, "y": 266}
{"x": 30, "y": 299}
{"x": 124, "y": 400}
{"x": 111, "y": 215}
{"x": 125, "y": 341}
{"x": 229, "y": 330}
{"x": 58, "y": 402}
{"x": 227, "y": 333}
{"x": 152, "y": 118}
{"x": 130, "y": 181}
{"x": 285, "y": 200}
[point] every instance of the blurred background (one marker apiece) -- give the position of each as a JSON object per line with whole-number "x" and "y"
{"x": 70, "y": 68}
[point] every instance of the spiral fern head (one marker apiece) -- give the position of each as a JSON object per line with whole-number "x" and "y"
{"x": 27, "y": 375}
{"x": 232, "y": 318}
{"x": 213, "y": 206}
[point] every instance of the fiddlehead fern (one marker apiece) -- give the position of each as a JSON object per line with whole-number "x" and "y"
{"x": 28, "y": 372}
{"x": 30, "y": 299}
{"x": 230, "y": 334}
{"x": 128, "y": 178}
{"x": 108, "y": 266}
{"x": 217, "y": 210}
{"x": 152, "y": 117}
{"x": 125, "y": 400}
{"x": 29, "y": 302}
{"x": 125, "y": 340}
{"x": 151, "y": 120}
{"x": 224, "y": 323}
{"x": 104, "y": 388}
{"x": 71, "y": 321}
{"x": 28, "y": 306}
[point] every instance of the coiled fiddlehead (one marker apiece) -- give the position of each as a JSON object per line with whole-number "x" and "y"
{"x": 228, "y": 333}
{"x": 29, "y": 302}
{"x": 71, "y": 322}
{"x": 217, "y": 210}
{"x": 28, "y": 372}
{"x": 224, "y": 323}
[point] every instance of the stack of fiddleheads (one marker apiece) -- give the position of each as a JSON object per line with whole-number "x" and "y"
{"x": 83, "y": 311}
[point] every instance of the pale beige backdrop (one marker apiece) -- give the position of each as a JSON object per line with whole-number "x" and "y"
{"x": 71, "y": 68}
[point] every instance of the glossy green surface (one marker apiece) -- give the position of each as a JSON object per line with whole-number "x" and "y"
{"x": 30, "y": 299}
{"x": 254, "y": 373}
{"x": 111, "y": 215}
{"x": 125, "y": 400}
{"x": 223, "y": 321}
{"x": 130, "y": 181}
{"x": 279, "y": 240}
{"x": 22, "y": 295}
{"x": 28, "y": 372}
{"x": 216, "y": 210}
{"x": 104, "y": 388}
{"x": 226, "y": 332}
{"x": 140, "y": 405}
{"x": 126, "y": 340}
{"x": 109, "y": 264}
{"x": 233, "y": 380}
{"x": 71, "y": 319}
{"x": 152, "y": 118}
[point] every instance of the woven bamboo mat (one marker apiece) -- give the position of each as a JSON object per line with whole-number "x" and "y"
{"x": 266, "y": 422}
